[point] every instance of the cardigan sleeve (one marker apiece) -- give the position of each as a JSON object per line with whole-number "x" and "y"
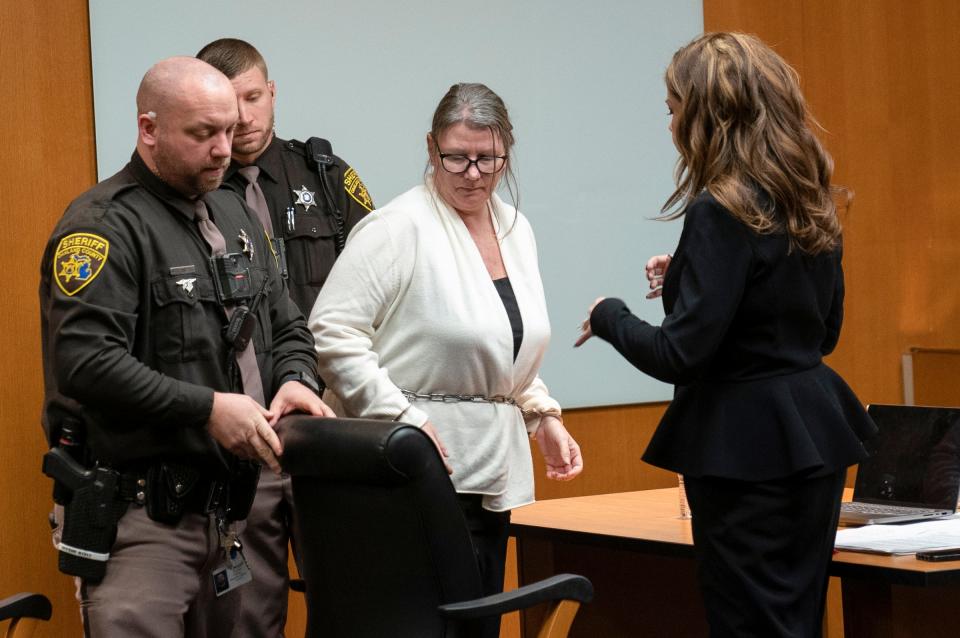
{"x": 535, "y": 402}
{"x": 364, "y": 282}
{"x": 713, "y": 261}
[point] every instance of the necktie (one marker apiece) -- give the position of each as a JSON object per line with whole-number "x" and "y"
{"x": 247, "y": 359}
{"x": 255, "y": 198}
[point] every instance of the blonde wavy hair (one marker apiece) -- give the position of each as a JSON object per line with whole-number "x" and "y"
{"x": 744, "y": 134}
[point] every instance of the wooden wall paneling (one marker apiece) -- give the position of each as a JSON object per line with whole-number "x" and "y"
{"x": 879, "y": 76}
{"x": 46, "y": 116}
{"x": 612, "y": 439}
{"x": 296, "y": 604}
{"x": 775, "y": 22}
{"x": 936, "y": 377}
{"x": 884, "y": 85}
{"x": 858, "y": 98}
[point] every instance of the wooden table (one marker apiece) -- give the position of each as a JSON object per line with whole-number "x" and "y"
{"x": 639, "y": 555}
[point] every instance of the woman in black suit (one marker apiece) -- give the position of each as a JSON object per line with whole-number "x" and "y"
{"x": 759, "y": 426}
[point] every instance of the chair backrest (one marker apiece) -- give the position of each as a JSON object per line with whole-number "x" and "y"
{"x": 379, "y": 531}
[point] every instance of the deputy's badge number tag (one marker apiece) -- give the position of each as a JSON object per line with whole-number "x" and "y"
{"x": 231, "y": 573}
{"x": 79, "y": 259}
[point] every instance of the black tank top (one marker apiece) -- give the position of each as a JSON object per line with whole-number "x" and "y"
{"x": 509, "y": 299}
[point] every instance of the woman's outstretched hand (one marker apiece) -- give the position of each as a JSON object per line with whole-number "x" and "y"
{"x": 585, "y": 331}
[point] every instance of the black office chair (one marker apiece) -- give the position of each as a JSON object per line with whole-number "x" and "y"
{"x": 24, "y": 611}
{"x": 383, "y": 544}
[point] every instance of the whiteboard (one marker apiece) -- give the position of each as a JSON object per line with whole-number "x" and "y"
{"x": 583, "y": 82}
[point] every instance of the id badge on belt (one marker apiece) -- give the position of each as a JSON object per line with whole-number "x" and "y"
{"x": 234, "y": 571}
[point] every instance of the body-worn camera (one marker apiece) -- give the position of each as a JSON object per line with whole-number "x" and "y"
{"x": 232, "y": 278}
{"x": 239, "y": 330}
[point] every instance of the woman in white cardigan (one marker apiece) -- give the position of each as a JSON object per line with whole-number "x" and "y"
{"x": 439, "y": 293}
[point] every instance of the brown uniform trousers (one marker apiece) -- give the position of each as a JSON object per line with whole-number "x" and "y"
{"x": 158, "y": 581}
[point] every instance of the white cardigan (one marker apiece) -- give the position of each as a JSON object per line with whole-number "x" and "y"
{"x": 410, "y": 305}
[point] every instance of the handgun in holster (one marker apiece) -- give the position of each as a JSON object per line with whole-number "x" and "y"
{"x": 90, "y": 517}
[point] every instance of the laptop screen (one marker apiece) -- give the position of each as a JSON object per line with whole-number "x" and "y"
{"x": 914, "y": 459}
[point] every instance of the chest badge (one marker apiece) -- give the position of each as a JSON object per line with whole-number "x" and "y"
{"x": 305, "y": 198}
{"x": 187, "y": 285}
{"x": 247, "y": 245}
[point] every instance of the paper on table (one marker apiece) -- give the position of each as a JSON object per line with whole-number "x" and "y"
{"x": 901, "y": 539}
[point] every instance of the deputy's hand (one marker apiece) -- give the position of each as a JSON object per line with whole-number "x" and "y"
{"x": 656, "y": 270}
{"x": 293, "y": 396}
{"x": 585, "y": 330}
{"x": 561, "y": 454}
{"x": 241, "y": 425}
{"x": 432, "y": 433}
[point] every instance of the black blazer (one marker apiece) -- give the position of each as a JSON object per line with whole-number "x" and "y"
{"x": 747, "y": 324}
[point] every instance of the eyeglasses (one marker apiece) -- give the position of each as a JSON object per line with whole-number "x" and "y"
{"x": 486, "y": 164}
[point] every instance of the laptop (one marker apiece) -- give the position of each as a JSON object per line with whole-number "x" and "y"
{"x": 913, "y": 471}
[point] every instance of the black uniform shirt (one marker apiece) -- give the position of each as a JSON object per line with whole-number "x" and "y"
{"x": 131, "y": 324}
{"x": 300, "y": 213}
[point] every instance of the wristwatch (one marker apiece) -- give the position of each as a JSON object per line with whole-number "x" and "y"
{"x": 303, "y": 378}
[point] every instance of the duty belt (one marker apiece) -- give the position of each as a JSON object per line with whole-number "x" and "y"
{"x": 201, "y": 494}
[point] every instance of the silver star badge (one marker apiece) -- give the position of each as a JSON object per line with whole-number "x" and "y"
{"x": 305, "y": 198}
{"x": 187, "y": 285}
{"x": 247, "y": 244}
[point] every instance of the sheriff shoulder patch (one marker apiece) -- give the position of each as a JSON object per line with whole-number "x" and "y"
{"x": 356, "y": 189}
{"x": 79, "y": 259}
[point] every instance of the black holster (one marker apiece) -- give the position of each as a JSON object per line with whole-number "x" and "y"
{"x": 89, "y": 518}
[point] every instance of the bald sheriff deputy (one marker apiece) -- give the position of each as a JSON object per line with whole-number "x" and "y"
{"x": 166, "y": 323}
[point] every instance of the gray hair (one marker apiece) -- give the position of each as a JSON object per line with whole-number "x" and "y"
{"x": 478, "y": 107}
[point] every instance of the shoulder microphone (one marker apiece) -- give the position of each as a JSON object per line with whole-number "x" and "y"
{"x": 319, "y": 151}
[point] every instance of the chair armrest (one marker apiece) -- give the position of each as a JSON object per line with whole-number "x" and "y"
{"x": 26, "y": 605}
{"x": 559, "y": 587}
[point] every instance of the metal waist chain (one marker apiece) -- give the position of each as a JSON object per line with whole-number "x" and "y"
{"x": 457, "y": 398}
